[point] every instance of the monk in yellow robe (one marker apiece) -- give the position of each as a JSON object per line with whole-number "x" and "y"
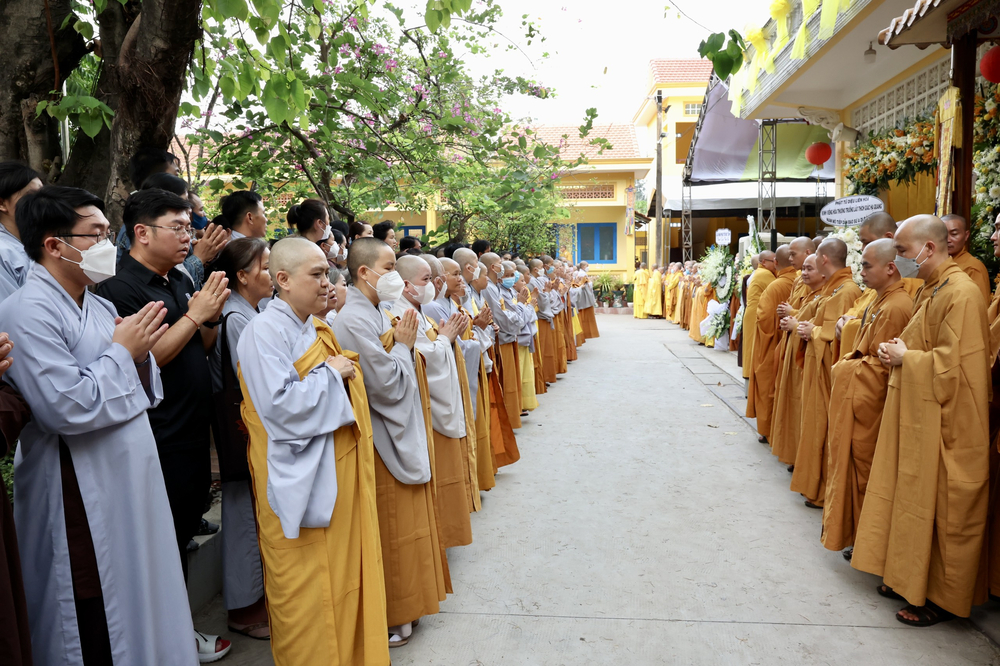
{"x": 669, "y": 291}
{"x": 857, "y": 395}
{"x": 925, "y": 509}
{"x": 958, "y": 249}
{"x": 798, "y": 250}
{"x": 654, "y": 294}
{"x": 640, "y": 282}
{"x": 699, "y": 310}
{"x": 818, "y": 334}
{"x": 760, "y": 396}
{"x": 786, "y": 418}
{"x": 416, "y": 577}
{"x": 762, "y": 276}
{"x": 314, "y": 483}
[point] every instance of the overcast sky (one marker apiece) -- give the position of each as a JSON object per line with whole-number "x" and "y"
{"x": 586, "y": 37}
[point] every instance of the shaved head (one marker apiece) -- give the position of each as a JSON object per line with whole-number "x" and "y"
{"x": 877, "y": 267}
{"x": 412, "y": 268}
{"x": 799, "y": 249}
{"x": 925, "y": 228}
{"x": 879, "y": 225}
{"x": 490, "y": 258}
{"x": 449, "y": 265}
{"x": 782, "y": 258}
{"x": 290, "y": 253}
{"x": 835, "y": 251}
{"x": 464, "y": 256}
{"x": 364, "y": 252}
{"x": 434, "y": 263}
{"x": 766, "y": 260}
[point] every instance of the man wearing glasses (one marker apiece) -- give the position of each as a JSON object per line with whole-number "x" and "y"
{"x": 157, "y": 223}
{"x": 102, "y": 581}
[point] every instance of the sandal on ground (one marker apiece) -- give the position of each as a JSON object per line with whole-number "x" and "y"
{"x": 888, "y": 592}
{"x": 762, "y": 439}
{"x": 813, "y": 506}
{"x": 415, "y": 623}
{"x": 929, "y": 614}
{"x": 848, "y": 553}
{"x": 791, "y": 468}
{"x": 211, "y": 648}
{"x": 395, "y": 641}
{"x": 250, "y": 628}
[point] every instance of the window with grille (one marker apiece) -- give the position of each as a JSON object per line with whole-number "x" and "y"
{"x": 916, "y": 96}
{"x": 692, "y": 109}
{"x": 597, "y": 243}
{"x": 588, "y": 191}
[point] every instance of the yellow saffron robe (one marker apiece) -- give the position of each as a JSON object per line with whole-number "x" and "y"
{"x": 654, "y": 295}
{"x": 976, "y": 270}
{"x": 786, "y": 420}
{"x": 925, "y": 510}
{"x": 641, "y": 283}
{"x": 760, "y": 395}
{"x": 809, "y": 478}
{"x": 325, "y": 590}
{"x": 857, "y": 394}
{"x": 759, "y": 280}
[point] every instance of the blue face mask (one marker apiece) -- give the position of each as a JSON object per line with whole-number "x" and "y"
{"x": 198, "y": 221}
{"x": 550, "y": 270}
{"x": 508, "y": 282}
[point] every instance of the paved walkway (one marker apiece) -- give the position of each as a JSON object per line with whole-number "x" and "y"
{"x": 644, "y": 524}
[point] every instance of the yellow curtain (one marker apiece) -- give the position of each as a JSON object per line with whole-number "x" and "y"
{"x": 917, "y": 198}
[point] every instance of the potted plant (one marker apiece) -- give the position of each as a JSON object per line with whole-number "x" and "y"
{"x": 605, "y": 284}
{"x": 618, "y": 293}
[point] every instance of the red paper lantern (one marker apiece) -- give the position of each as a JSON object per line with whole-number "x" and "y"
{"x": 819, "y": 153}
{"x": 989, "y": 66}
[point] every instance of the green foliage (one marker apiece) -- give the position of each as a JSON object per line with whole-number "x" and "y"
{"x": 726, "y": 58}
{"x": 84, "y": 111}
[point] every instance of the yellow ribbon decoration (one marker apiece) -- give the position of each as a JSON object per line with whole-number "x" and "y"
{"x": 761, "y": 58}
{"x": 736, "y": 90}
{"x": 809, "y": 8}
{"x": 828, "y": 18}
{"x": 780, "y": 9}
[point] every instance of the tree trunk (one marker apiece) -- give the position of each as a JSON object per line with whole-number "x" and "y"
{"x": 89, "y": 166}
{"x": 27, "y": 76}
{"x": 150, "y": 73}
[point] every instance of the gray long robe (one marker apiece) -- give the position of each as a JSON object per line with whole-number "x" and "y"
{"x": 472, "y": 350}
{"x": 86, "y": 390}
{"x": 509, "y": 315}
{"x": 14, "y": 263}
{"x": 391, "y": 383}
{"x": 299, "y": 416}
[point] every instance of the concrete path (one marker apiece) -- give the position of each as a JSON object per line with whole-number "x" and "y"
{"x": 644, "y": 524}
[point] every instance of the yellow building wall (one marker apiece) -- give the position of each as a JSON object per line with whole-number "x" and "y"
{"x": 603, "y": 211}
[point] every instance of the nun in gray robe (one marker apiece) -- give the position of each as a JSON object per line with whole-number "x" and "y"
{"x": 86, "y": 390}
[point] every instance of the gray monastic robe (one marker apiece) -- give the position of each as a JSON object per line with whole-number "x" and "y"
{"x": 14, "y": 263}
{"x": 300, "y": 416}
{"x": 391, "y": 383}
{"x": 85, "y": 390}
{"x": 447, "y": 408}
{"x": 472, "y": 350}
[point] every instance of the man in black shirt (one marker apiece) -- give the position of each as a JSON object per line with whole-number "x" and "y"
{"x": 158, "y": 225}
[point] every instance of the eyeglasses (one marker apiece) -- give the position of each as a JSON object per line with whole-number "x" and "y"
{"x": 180, "y": 232}
{"x": 100, "y": 237}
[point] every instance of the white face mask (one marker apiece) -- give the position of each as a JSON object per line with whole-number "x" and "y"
{"x": 425, "y": 293}
{"x": 343, "y": 253}
{"x": 333, "y": 252}
{"x": 479, "y": 271}
{"x": 389, "y": 286}
{"x": 98, "y": 261}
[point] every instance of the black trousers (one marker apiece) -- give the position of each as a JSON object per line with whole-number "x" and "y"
{"x": 187, "y": 474}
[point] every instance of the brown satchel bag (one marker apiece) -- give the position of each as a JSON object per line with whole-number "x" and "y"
{"x": 232, "y": 440}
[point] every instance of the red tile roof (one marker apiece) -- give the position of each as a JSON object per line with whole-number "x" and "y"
{"x": 680, "y": 71}
{"x": 622, "y": 138}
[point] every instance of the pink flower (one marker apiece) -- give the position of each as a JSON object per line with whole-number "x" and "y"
{"x": 338, "y": 69}
{"x": 390, "y": 65}
{"x": 352, "y": 23}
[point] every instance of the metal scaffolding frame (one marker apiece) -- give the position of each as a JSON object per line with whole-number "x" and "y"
{"x": 767, "y": 176}
{"x": 686, "y": 244}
